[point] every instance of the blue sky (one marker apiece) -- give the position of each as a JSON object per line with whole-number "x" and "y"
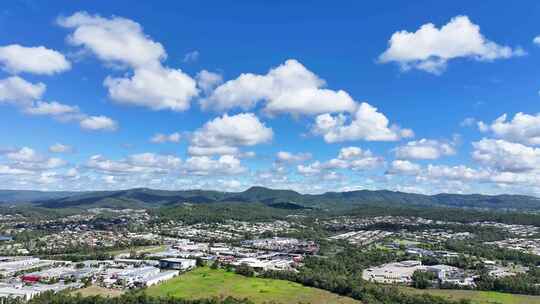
{"x": 303, "y": 95}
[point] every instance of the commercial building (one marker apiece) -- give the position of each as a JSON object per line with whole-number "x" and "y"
{"x": 9, "y": 292}
{"x": 10, "y": 266}
{"x": 178, "y": 264}
{"x": 400, "y": 272}
{"x": 160, "y": 277}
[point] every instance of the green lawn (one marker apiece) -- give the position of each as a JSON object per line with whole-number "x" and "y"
{"x": 205, "y": 283}
{"x": 480, "y": 297}
{"x": 406, "y": 242}
{"x": 139, "y": 249}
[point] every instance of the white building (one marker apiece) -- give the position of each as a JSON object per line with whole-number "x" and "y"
{"x": 131, "y": 276}
{"x": 400, "y": 272}
{"x": 18, "y": 291}
{"x": 14, "y": 265}
{"x": 160, "y": 277}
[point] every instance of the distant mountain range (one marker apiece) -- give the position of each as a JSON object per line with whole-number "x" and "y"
{"x": 285, "y": 199}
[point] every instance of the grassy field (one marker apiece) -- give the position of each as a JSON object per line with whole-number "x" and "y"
{"x": 206, "y": 283}
{"x": 139, "y": 249}
{"x": 98, "y": 291}
{"x": 480, "y": 297}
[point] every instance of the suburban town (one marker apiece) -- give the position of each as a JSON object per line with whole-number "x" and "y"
{"x": 130, "y": 249}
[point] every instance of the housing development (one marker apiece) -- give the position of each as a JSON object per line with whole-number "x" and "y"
{"x": 131, "y": 249}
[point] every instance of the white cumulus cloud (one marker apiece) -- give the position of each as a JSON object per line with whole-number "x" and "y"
{"x": 157, "y": 88}
{"x": 425, "y": 149}
{"x": 506, "y": 156}
{"x": 37, "y": 60}
{"x": 60, "y": 148}
{"x": 364, "y": 124}
{"x": 116, "y": 39}
{"x": 15, "y": 90}
{"x": 207, "y": 80}
{"x": 430, "y": 48}
{"x": 144, "y": 163}
{"x": 205, "y": 165}
{"x": 28, "y": 159}
{"x": 288, "y": 157}
{"x": 288, "y": 88}
{"x": 224, "y": 134}
{"x": 53, "y": 108}
{"x": 121, "y": 41}
{"x": 404, "y": 167}
{"x": 523, "y": 128}
{"x": 459, "y": 172}
{"x": 101, "y": 122}
{"x": 349, "y": 158}
{"x": 8, "y": 170}
{"x": 26, "y": 95}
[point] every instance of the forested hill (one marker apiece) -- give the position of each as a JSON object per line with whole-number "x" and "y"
{"x": 18, "y": 196}
{"x": 143, "y": 197}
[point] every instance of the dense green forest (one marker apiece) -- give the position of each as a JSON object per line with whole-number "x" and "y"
{"x": 288, "y": 199}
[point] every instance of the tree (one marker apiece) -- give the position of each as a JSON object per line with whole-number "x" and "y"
{"x": 199, "y": 262}
{"x": 79, "y": 265}
{"x": 245, "y": 270}
{"x": 215, "y": 265}
{"x": 422, "y": 279}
